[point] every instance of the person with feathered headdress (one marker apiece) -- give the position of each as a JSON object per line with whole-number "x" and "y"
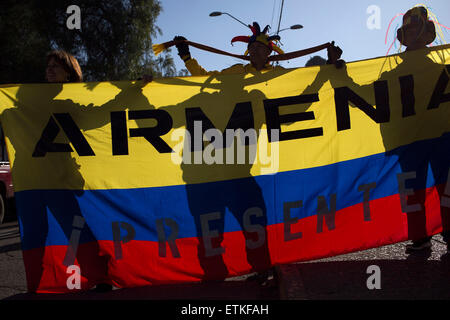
{"x": 260, "y": 46}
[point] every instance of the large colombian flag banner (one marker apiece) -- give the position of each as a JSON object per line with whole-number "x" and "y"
{"x": 197, "y": 178}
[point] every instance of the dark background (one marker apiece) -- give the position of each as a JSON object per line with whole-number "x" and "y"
{"x": 114, "y": 42}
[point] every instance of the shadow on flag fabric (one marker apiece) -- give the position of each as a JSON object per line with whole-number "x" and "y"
{"x": 201, "y": 178}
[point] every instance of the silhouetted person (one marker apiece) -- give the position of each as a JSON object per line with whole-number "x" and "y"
{"x": 416, "y": 33}
{"x": 260, "y": 46}
{"x": 62, "y": 204}
{"x": 63, "y": 171}
{"x": 220, "y": 189}
{"x": 316, "y": 61}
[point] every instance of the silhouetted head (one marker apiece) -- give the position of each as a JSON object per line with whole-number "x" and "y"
{"x": 260, "y": 45}
{"x": 417, "y": 31}
{"x": 316, "y": 61}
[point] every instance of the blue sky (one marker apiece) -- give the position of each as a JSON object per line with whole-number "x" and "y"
{"x": 343, "y": 21}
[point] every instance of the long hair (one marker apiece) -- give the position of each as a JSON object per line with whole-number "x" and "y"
{"x": 68, "y": 62}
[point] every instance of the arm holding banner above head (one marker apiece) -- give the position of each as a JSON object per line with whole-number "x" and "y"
{"x": 183, "y": 51}
{"x": 191, "y": 64}
{"x": 334, "y": 53}
{"x": 158, "y": 48}
{"x": 182, "y": 47}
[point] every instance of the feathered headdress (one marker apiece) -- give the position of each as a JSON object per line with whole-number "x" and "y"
{"x": 262, "y": 37}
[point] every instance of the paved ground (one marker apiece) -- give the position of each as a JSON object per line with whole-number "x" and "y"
{"x": 12, "y": 270}
{"x": 424, "y": 275}
{"x": 13, "y": 282}
{"x": 403, "y": 276}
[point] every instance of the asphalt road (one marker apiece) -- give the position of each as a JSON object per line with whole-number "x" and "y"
{"x": 424, "y": 275}
{"x": 403, "y": 276}
{"x": 13, "y": 282}
{"x": 12, "y": 270}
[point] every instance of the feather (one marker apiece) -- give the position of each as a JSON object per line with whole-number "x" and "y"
{"x": 158, "y": 48}
{"x": 240, "y": 38}
{"x": 257, "y": 28}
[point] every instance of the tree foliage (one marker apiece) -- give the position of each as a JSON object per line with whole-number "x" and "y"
{"x": 114, "y": 42}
